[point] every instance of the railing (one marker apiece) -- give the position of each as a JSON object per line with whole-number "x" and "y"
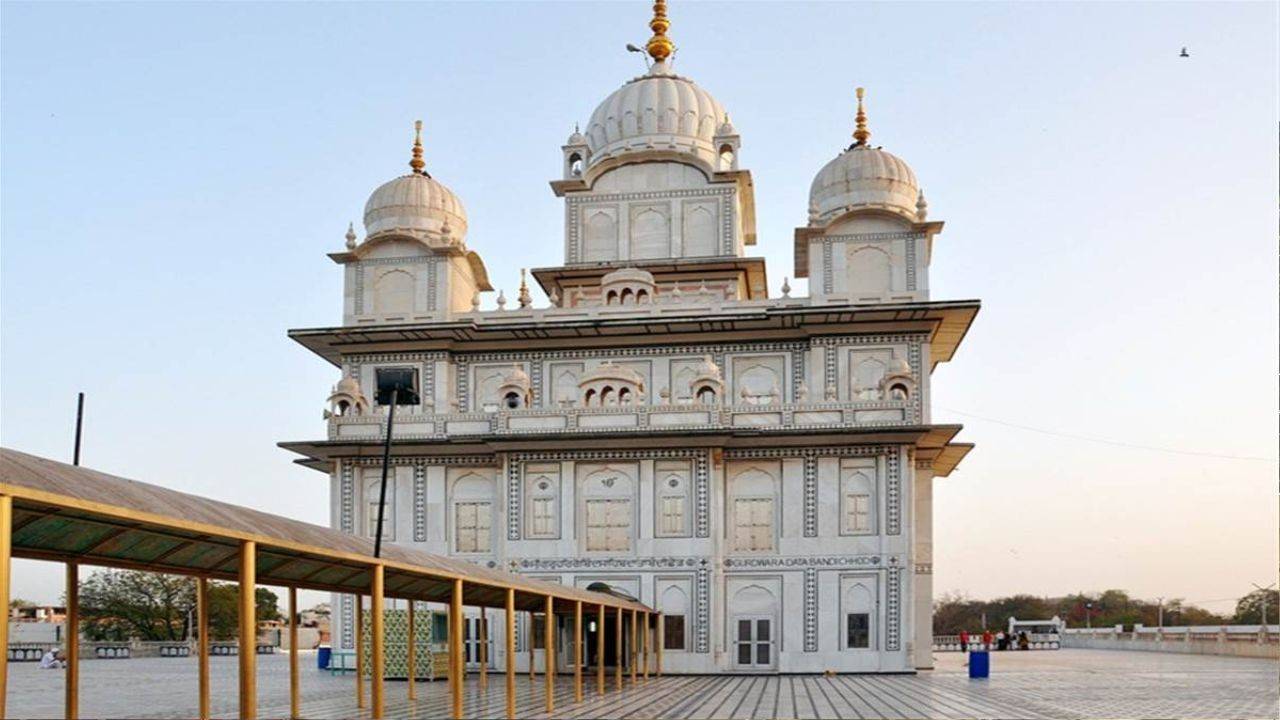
{"x": 30, "y": 651}
{"x": 636, "y": 418}
{"x": 1259, "y": 634}
{"x": 1037, "y": 641}
{"x": 1247, "y": 640}
{"x": 688, "y": 304}
{"x": 109, "y": 650}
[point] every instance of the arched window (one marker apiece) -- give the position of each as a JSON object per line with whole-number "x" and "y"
{"x": 672, "y": 479}
{"x": 511, "y": 400}
{"x": 472, "y": 498}
{"x": 707, "y": 395}
{"x": 858, "y": 496}
{"x": 627, "y": 297}
{"x": 575, "y": 165}
{"x": 726, "y": 157}
{"x": 608, "y": 518}
{"x": 899, "y": 392}
{"x": 343, "y": 407}
{"x": 624, "y": 396}
{"x": 590, "y": 398}
{"x": 611, "y": 298}
{"x": 606, "y": 396}
{"x": 859, "y": 606}
{"x": 642, "y": 296}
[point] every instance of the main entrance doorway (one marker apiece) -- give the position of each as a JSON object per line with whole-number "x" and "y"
{"x": 591, "y": 645}
{"x": 754, "y": 643}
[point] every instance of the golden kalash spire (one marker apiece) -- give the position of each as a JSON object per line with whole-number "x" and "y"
{"x": 861, "y": 134}
{"x": 659, "y": 46}
{"x": 417, "y": 163}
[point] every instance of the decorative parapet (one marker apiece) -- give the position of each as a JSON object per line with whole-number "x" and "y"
{"x": 628, "y": 418}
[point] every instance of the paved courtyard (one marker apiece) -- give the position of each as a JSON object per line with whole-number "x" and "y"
{"x": 1051, "y": 684}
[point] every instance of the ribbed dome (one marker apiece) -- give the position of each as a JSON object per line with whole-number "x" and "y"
{"x": 863, "y": 178}
{"x": 415, "y": 204}
{"x": 659, "y": 111}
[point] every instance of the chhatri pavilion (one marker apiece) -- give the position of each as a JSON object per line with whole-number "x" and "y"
{"x": 759, "y": 469}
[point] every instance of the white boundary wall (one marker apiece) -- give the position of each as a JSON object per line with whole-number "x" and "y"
{"x": 1238, "y": 640}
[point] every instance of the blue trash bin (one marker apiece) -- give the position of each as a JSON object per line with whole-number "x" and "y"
{"x": 979, "y": 664}
{"x": 324, "y": 654}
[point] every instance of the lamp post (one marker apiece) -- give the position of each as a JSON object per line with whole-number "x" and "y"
{"x": 1160, "y": 612}
{"x": 1087, "y": 608}
{"x": 1264, "y": 600}
{"x": 409, "y": 397}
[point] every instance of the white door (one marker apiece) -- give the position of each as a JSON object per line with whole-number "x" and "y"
{"x": 753, "y": 646}
{"x": 471, "y": 647}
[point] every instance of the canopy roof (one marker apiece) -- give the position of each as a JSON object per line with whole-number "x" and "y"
{"x": 66, "y": 513}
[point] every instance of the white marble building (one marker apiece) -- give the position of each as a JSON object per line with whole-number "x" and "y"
{"x": 758, "y": 468}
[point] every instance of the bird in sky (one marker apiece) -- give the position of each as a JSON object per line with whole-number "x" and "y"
{"x": 1184, "y": 53}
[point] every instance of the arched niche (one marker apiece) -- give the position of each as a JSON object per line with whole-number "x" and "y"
{"x": 393, "y": 292}
{"x": 870, "y": 271}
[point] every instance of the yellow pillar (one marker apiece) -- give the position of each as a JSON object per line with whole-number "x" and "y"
{"x": 577, "y": 651}
{"x": 617, "y": 652}
{"x": 248, "y": 631}
{"x": 600, "y": 652}
{"x": 550, "y": 653}
{"x": 411, "y": 659}
{"x": 645, "y": 644}
{"x": 511, "y": 653}
{"x": 6, "y": 549}
{"x": 456, "y": 666}
{"x": 634, "y": 651}
{"x": 359, "y": 651}
{"x": 659, "y": 641}
{"x": 379, "y": 660}
{"x": 202, "y": 644}
{"x": 295, "y": 704}
{"x": 72, "y": 686}
{"x": 484, "y": 650}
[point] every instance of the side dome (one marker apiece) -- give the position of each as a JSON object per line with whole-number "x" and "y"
{"x": 659, "y": 112}
{"x": 415, "y": 204}
{"x": 863, "y": 178}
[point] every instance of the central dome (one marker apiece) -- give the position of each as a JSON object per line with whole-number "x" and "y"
{"x": 656, "y": 112}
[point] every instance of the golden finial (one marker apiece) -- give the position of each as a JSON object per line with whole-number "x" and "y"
{"x": 861, "y": 134}
{"x": 416, "y": 163}
{"x": 659, "y": 46}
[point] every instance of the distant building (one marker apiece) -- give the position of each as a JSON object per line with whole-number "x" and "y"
{"x": 38, "y": 613}
{"x": 758, "y": 468}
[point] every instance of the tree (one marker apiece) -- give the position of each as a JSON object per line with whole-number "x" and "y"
{"x": 224, "y": 609}
{"x": 129, "y": 604}
{"x": 953, "y": 613}
{"x": 1249, "y": 607}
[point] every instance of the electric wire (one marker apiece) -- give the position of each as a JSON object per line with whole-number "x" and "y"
{"x": 1105, "y": 441}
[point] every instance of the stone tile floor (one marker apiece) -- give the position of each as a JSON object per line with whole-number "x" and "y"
{"x": 1049, "y": 684}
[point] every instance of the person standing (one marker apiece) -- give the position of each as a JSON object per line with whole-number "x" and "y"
{"x": 964, "y": 641}
{"x": 986, "y": 639}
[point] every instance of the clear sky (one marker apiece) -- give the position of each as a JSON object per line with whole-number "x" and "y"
{"x": 172, "y": 175}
